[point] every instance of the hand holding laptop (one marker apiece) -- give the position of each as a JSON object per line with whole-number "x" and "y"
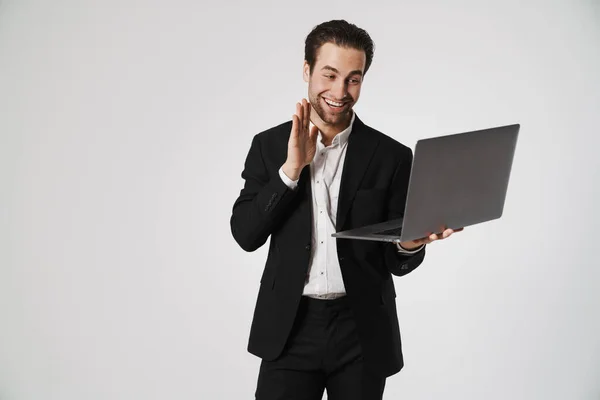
{"x": 413, "y": 244}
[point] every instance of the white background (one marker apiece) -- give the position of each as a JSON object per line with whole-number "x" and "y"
{"x": 124, "y": 126}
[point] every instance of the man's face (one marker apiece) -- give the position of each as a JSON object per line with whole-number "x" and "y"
{"x": 335, "y": 83}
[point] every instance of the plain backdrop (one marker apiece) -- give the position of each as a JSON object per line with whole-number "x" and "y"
{"x": 124, "y": 126}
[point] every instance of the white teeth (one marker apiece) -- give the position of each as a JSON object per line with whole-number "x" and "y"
{"x": 333, "y": 103}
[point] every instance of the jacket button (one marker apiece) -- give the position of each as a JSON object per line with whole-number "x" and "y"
{"x": 307, "y": 247}
{"x": 341, "y": 258}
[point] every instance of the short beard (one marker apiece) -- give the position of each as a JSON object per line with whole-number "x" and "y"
{"x": 325, "y": 117}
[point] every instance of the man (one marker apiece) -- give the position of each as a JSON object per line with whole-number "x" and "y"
{"x": 325, "y": 317}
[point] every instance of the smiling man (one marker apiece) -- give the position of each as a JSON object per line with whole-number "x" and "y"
{"x": 325, "y": 317}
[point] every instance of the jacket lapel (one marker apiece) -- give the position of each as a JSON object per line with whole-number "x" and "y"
{"x": 360, "y": 151}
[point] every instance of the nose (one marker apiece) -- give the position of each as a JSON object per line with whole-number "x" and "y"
{"x": 339, "y": 89}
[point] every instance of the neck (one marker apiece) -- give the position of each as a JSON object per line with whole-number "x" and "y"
{"x": 329, "y": 131}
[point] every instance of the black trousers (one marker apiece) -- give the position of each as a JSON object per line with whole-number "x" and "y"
{"x": 322, "y": 353}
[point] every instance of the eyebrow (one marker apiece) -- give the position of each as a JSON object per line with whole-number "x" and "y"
{"x": 330, "y": 68}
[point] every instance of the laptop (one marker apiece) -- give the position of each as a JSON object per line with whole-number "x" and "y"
{"x": 456, "y": 181}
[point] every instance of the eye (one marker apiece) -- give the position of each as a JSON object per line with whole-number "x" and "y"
{"x": 329, "y": 76}
{"x": 354, "y": 81}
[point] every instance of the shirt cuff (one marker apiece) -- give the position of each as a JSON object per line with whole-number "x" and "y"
{"x": 403, "y": 250}
{"x": 288, "y": 182}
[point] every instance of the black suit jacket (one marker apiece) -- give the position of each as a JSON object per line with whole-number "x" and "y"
{"x": 373, "y": 189}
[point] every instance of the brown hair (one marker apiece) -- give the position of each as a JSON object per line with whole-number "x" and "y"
{"x": 340, "y": 33}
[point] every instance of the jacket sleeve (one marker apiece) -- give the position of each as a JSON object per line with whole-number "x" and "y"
{"x": 263, "y": 201}
{"x": 400, "y": 263}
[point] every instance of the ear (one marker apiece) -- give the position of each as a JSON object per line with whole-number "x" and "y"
{"x": 306, "y": 71}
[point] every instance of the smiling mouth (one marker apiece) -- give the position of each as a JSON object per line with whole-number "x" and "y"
{"x": 334, "y": 104}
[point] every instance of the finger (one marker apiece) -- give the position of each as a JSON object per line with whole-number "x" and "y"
{"x": 301, "y": 117}
{"x": 300, "y": 114}
{"x": 306, "y": 114}
{"x": 447, "y": 233}
{"x": 295, "y": 124}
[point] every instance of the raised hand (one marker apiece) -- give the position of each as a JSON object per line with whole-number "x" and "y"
{"x": 302, "y": 144}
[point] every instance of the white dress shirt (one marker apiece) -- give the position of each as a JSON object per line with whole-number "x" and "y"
{"x": 324, "y": 278}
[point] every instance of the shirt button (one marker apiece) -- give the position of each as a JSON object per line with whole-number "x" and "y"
{"x": 322, "y": 273}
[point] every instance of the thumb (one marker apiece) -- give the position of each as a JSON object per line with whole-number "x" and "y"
{"x": 314, "y": 132}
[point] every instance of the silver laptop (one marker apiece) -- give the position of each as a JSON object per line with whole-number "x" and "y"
{"x": 456, "y": 181}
